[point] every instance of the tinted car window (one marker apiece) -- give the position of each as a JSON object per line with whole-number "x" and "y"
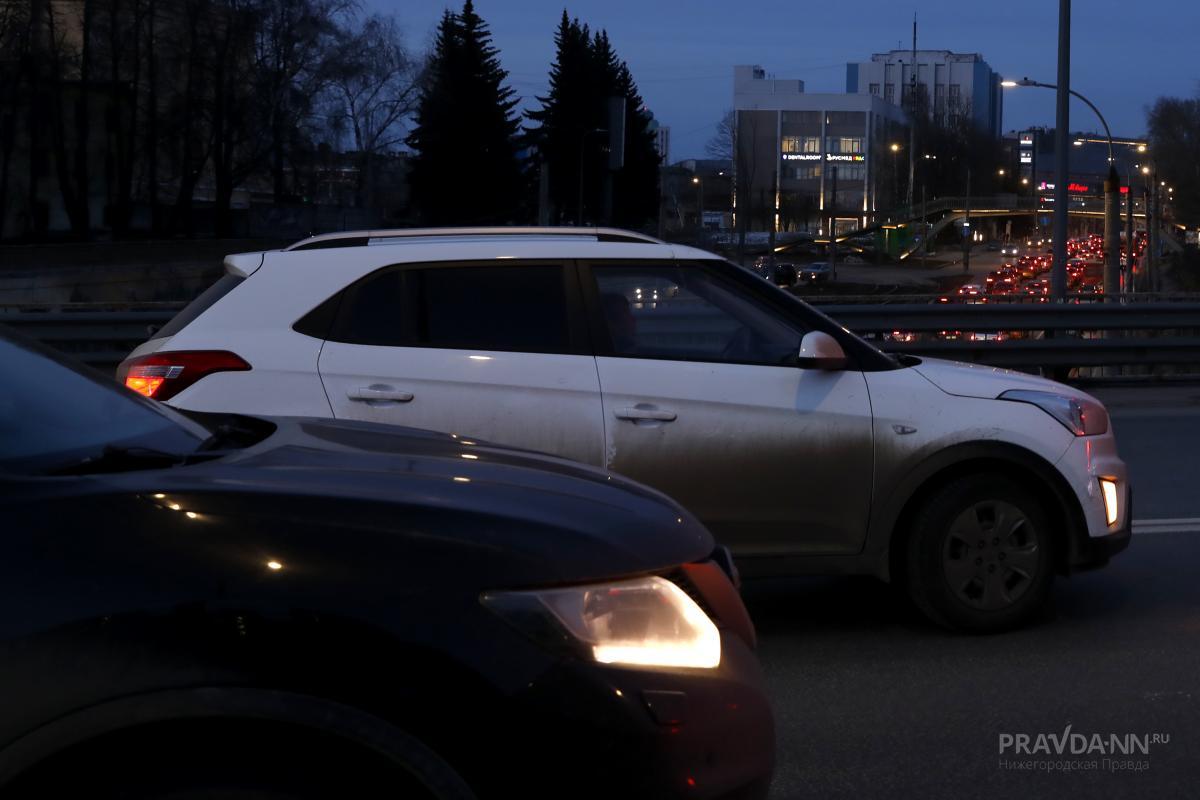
{"x": 490, "y": 308}
{"x": 52, "y": 415}
{"x": 372, "y": 311}
{"x": 689, "y": 313}
{"x": 514, "y": 308}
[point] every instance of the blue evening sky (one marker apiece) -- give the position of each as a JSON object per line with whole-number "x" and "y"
{"x": 682, "y": 52}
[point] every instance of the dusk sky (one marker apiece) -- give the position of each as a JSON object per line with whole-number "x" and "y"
{"x": 682, "y": 52}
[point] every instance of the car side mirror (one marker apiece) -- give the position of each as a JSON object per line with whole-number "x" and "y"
{"x": 819, "y": 350}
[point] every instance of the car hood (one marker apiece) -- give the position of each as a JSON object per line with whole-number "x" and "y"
{"x": 534, "y": 517}
{"x": 977, "y": 380}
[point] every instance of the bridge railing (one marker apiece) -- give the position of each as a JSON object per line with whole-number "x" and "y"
{"x": 1145, "y": 337}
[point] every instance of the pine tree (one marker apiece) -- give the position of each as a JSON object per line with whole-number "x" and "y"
{"x": 465, "y": 169}
{"x": 565, "y": 118}
{"x": 586, "y": 72}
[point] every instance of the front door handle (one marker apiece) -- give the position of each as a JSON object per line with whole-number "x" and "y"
{"x": 640, "y": 413}
{"x": 379, "y": 392}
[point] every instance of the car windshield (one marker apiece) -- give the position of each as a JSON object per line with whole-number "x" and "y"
{"x": 53, "y": 415}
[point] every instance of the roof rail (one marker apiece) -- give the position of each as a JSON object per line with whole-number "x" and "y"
{"x": 400, "y": 235}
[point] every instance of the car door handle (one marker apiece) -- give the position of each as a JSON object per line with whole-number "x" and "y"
{"x": 379, "y": 392}
{"x": 636, "y": 413}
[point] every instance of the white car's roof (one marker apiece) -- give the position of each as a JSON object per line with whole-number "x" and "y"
{"x": 455, "y": 235}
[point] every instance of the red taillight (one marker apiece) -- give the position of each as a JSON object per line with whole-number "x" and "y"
{"x": 164, "y": 375}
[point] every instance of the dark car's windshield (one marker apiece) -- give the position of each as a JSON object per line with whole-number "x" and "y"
{"x": 53, "y": 415}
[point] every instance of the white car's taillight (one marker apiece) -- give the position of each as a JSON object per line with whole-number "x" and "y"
{"x": 642, "y": 622}
{"x": 164, "y": 375}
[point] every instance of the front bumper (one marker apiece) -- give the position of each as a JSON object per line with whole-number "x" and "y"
{"x": 1086, "y": 461}
{"x": 596, "y": 731}
{"x": 1095, "y": 551}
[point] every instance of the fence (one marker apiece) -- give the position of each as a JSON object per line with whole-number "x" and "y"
{"x": 1144, "y": 338}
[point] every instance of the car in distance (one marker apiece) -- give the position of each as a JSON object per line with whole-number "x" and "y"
{"x": 816, "y": 272}
{"x": 220, "y": 605}
{"x": 801, "y": 446}
{"x": 1010, "y": 250}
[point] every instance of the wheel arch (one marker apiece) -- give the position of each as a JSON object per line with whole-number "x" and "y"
{"x": 1030, "y": 470}
{"x": 296, "y": 717}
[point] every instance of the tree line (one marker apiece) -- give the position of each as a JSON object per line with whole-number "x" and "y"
{"x": 111, "y": 109}
{"x": 468, "y": 138}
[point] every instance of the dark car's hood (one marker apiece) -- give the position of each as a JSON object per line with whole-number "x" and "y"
{"x": 549, "y": 518}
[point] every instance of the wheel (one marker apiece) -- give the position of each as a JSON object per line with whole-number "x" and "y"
{"x": 980, "y": 555}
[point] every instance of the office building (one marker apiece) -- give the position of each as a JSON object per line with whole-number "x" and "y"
{"x": 950, "y": 87}
{"x": 804, "y": 159}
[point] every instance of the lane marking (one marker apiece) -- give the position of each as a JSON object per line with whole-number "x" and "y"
{"x": 1173, "y": 525}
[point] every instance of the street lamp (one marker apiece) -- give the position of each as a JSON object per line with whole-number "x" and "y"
{"x": 895, "y": 148}
{"x": 699, "y": 184}
{"x": 1112, "y": 211}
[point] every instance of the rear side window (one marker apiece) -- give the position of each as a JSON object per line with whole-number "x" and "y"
{"x": 519, "y": 308}
{"x": 201, "y": 304}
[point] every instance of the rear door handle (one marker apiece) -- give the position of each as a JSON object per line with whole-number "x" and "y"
{"x": 636, "y": 413}
{"x": 380, "y": 393}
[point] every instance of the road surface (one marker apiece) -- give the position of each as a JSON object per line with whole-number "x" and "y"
{"x": 872, "y": 701}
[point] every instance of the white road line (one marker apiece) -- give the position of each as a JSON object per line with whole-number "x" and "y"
{"x": 1176, "y": 525}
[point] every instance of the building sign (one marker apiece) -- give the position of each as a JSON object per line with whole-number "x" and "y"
{"x": 801, "y": 156}
{"x": 1026, "y": 140}
{"x": 856, "y": 158}
{"x": 1073, "y": 188}
{"x": 1026, "y": 157}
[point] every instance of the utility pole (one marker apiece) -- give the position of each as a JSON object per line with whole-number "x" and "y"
{"x": 1152, "y": 234}
{"x": 912, "y": 118}
{"x": 1127, "y": 272}
{"x": 1112, "y": 233}
{"x": 1062, "y": 152}
{"x": 968, "y": 234}
{"x": 833, "y": 226}
{"x": 924, "y": 225}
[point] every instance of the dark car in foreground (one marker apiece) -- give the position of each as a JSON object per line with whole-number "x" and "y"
{"x": 219, "y": 606}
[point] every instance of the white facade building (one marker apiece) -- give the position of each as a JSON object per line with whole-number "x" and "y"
{"x": 794, "y": 148}
{"x": 949, "y": 85}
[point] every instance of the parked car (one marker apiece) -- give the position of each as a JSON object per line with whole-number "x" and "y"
{"x": 222, "y": 605}
{"x": 816, "y": 272}
{"x": 802, "y": 447}
{"x": 777, "y": 271}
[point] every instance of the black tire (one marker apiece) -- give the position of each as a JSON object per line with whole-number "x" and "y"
{"x": 981, "y": 555}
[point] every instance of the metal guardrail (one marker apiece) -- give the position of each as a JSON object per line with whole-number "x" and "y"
{"x": 1042, "y": 335}
{"x": 101, "y": 338}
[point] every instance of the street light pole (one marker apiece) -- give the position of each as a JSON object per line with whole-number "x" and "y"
{"x": 699, "y": 210}
{"x": 1062, "y": 117}
{"x": 967, "y": 224}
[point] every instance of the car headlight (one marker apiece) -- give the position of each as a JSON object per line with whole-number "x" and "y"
{"x": 642, "y": 622}
{"x": 1082, "y": 416}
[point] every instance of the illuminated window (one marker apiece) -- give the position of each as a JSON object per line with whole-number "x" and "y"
{"x": 801, "y": 144}
{"x": 845, "y": 144}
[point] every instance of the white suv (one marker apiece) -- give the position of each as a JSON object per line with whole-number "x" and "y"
{"x": 802, "y": 447}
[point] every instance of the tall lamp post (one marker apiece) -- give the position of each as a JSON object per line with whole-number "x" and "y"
{"x": 1112, "y": 202}
{"x": 699, "y": 184}
{"x": 895, "y": 148}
